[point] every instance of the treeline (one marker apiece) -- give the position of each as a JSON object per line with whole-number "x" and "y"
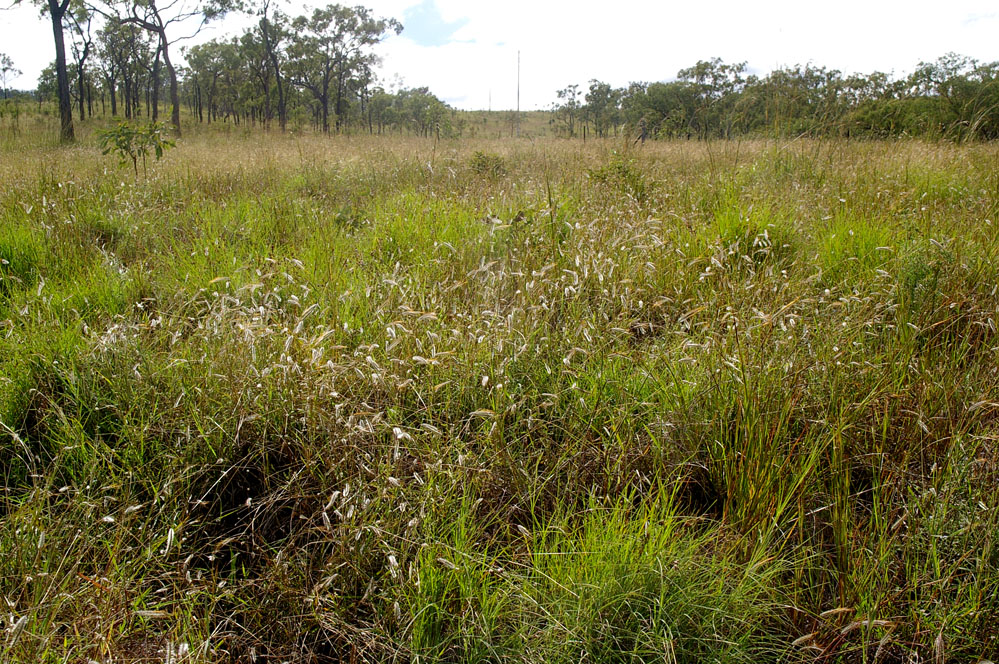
{"x": 955, "y": 97}
{"x": 313, "y": 70}
{"x": 316, "y": 69}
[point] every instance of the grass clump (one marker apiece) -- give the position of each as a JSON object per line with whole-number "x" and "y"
{"x": 853, "y": 247}
{"x": 623, "y": 174}
{"x": 20, "y": 253}
{"x": 488, "y": 164}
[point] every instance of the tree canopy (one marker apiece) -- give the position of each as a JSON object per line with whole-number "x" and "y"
{"x": 954, "y": 97}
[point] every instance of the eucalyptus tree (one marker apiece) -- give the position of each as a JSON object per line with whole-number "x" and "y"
{"x": 57, "y": 10}
{"x": 568, "y": 108}
{"x": 421, "y": 111}
{"x": 602, "y": 106}
{"x": 162, "y": 20}
{"x": 665, "y": 108}
{"x": 82, "y": 43}
{"x": 966, "y": 93}
{"x": 273, "y": 30}
{"x": 112, "y": 57}
{"x": 380, "y": 113}
{"x": 207, "y": 64}
{"x": 330, "y": 47}
{"x": 8, "y": 72}
{"x": 713, "y": 87}
{"x": 259, "y": 80}
{"x": 140, "y": 53}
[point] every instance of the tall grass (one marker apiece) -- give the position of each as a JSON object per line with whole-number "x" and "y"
{"x": 301, "y": 399}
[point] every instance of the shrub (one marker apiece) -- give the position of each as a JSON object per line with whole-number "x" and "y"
{"x": 132, "y": 143}
{"x": 488, "y": 164}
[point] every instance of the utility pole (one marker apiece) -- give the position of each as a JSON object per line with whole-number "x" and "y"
{"x": 518, "y": 94}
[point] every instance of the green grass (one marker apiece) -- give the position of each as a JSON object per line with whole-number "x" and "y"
{"x": 381, "y": 399}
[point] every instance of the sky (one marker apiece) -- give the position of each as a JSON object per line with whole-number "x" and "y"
{"x": 466, "y": 51}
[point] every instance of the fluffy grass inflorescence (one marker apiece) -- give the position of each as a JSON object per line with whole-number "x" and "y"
{"x": 351, "y": 399}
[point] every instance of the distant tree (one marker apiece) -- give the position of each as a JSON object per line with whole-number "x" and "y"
{"x": 602, "y": 106}
{"x": 665, "y": 108}
{"x": 714, "y": 87}
{"x": 967, "y": 91}
{"x": 329, "y": 48}
{"x": 111, "y": 59}
{"x": 82, "y": 42}
{"x": 260, "y": 80}
{"x": 208, "y": 63}
{"x": 158, "y": 20}
{"x": 424, "y": 113}
{"x": 56, "y": 10}
{"x": 380, "y": 112}
{"x": 8, "y": 72}
{"x": 567, "y": 109}
{"x": 137, "y": 55}
{"x": 273, "y": 29}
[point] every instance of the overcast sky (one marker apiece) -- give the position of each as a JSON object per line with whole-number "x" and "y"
{"x": 466, "y": 52}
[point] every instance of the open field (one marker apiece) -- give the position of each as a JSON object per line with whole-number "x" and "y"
{"x": 293, "y": 398}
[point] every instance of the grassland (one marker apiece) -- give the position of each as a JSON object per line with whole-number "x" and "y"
{"x": 289, "y": 398}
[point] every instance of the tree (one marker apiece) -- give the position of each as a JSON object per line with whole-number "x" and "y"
{"x": 380, "y": 111}
{"x": 111, "y": 58}
{"x": 208, "y": 62}
{"x": 424, "y": 113}
{"x": 715, "y": 87}
{"x": 125, "y": 58}
{"x": 56, "y": 10}
{"x": 273, "y": 30}
{"x": 254, "y": 58}
{"x": 82, "y": 42}
{"x": 331, "y": 47}
{"x": 567, "y": 109}
{"x": 966, "y": 94}
{"x": 8, "y": 72}
{"x": 602, "y": 103}
{"x": 157, "y": 19}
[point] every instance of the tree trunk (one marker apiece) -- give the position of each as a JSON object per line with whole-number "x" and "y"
{"x": 81, "y": 74}
{"x": 156, "y": 85}
{"x": 174, "y": 88}
{"x": 339, "y": 100}
{"x": 56, "y": 12}
{"x": 80, "y": 89}
{"x": 272, "y": 57}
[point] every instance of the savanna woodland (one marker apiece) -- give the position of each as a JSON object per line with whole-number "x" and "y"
{"x": 298, "y": 366}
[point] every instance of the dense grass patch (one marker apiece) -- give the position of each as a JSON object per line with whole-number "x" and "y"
{"x": 305, "y": 399}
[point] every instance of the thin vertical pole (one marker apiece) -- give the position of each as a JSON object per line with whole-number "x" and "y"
{"x": 518, "y": 94}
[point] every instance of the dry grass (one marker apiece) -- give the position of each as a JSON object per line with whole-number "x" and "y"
{"x": 300, "y": 399}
